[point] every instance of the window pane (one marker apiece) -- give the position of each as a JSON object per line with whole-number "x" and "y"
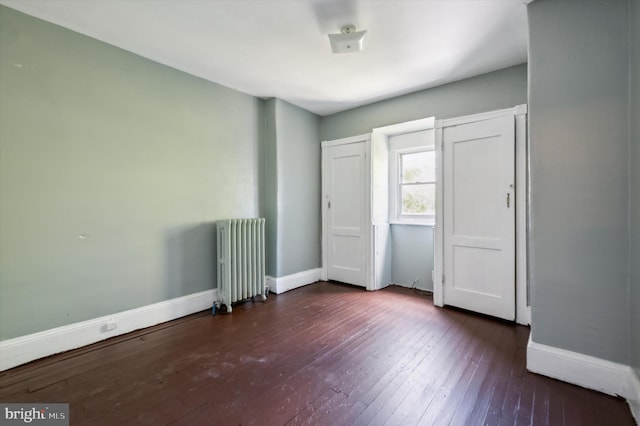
{"x": 418, "y": 167}
{"x": 419, "y": 199}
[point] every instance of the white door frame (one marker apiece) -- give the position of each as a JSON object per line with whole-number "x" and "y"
{"x": 366, "y": 138}
{"x": 380, "y": 195}
{"x": 523, "y": 311}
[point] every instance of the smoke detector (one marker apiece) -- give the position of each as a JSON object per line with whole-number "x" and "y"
{"x": 349, "y": 40}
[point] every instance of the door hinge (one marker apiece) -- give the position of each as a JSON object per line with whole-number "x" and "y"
{"x": 443, "y": 279}
{"x": 329, "y": 204}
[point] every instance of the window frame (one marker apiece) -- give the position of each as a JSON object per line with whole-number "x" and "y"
{"x": 395, "y": 188}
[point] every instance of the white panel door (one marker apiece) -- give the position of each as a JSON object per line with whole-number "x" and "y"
{"x": 479, "y": 216}
{"x": 346, "y": 211}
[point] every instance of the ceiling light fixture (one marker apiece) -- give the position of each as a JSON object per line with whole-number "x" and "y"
{"x": 349, "y": 40}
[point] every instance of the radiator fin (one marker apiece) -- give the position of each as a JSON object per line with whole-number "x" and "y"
{"x": 241, "y": 260}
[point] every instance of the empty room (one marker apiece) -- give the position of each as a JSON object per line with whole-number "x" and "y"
{"x": 331, "y": 212}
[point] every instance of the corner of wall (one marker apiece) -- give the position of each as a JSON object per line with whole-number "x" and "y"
{"x": 270, "y": 197}
{"x": 280, "y": 285}
{"x": 297, "y": 192}
{"x": 634, "y": 183}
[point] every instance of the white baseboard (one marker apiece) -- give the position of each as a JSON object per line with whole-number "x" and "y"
{"x": 289, "y": 282}
{"x": 20, "y": 350}
{"x": 582, "y": 370}
{"x": 523, "y": 315}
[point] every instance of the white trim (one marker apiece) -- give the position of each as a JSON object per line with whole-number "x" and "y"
{"x": 438, "y": 238}
{"x": 634, "y": 400}
{"x": 366, "y": 225}
{"x": 523, "y": 311}
{"x": 583, "y": 370}
{"x": 289, "y": 282}
{"x": 414, "y": 222}
{"x": 344, "y": 141}
{"x": 396, "y": 151}
{"x": 411, "y": 141}
{"x": 380, "y": 266}
{"x": 324, "y": 199}
{"x": 521, "y": 109}
{"x": 406, "y": 127}
{"x": 20, "y": 350}
{"x": 456, "y": 121}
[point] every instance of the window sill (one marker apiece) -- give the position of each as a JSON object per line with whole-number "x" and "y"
{"x": 412, "y": 222}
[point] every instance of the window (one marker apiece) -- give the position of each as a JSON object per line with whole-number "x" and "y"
{"x": 412, "y": 173}
{"x": 417, "y": 185}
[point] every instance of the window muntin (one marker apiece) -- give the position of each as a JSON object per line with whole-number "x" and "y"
{"x": 415, "y": 186}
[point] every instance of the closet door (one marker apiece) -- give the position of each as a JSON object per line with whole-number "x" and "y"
{"x": 479, "y": 216}
{"x": 345, "y": 211}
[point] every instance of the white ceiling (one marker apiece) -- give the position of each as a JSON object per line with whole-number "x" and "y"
{"x": 280, "y": 48}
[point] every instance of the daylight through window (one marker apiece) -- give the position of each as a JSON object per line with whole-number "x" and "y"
{"x": 417, "y": 189}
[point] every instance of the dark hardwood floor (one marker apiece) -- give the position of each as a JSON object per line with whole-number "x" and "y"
{"x": 325, "y": 354}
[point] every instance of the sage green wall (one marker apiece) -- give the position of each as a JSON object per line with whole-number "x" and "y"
{"x": 496, "y": 90}
{"x": 298, "y": 189}
{"x": 579, "y": 156}
{"x": 634, "y": 190}
{"x": 412, "y": 256}
{"x": 113, "y": 170}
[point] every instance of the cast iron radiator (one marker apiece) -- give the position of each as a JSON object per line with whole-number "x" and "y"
{"x": 241, "y": 260}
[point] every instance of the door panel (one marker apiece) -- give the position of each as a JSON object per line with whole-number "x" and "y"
{"x": 346, "y": 189}
{"x": 476, "y": 176}
{"x": 479, "y": 217}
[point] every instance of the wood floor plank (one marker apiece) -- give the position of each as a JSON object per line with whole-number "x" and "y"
{"x": 430, "y": 374}
{"x": 488, "y": 386}
{"x": 327, "y": 354}
{"x": 412, "y": 379}
{"x": 471, "y": 395}
{"x": 444, "y": 401}
{"x": 541, "y": 397}
{"x": 298, "y": 359}
{"x": 495, "y": 410}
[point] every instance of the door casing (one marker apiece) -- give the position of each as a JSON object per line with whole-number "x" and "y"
{"x": 366, "y": 225}
{"x": 523, "y": 310}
